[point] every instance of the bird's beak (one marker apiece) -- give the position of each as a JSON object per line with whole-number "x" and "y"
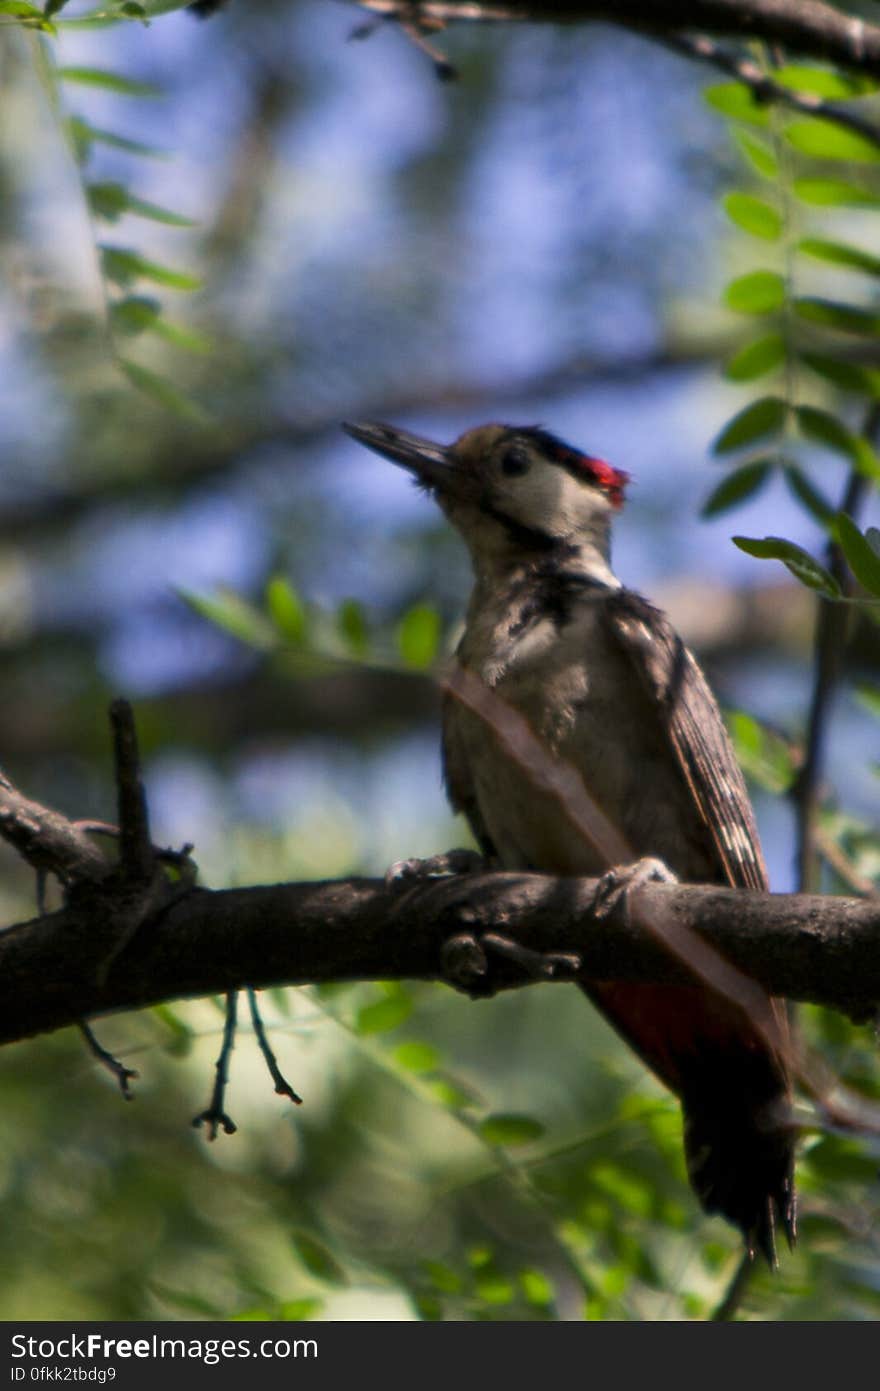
{"x": 432, "y": 464}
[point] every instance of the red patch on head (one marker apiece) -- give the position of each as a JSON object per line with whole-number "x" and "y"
{"x": 611, "y": 480}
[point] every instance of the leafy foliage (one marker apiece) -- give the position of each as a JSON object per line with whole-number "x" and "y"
{"x": 109, "y": 202}
{"x": 804, "y": 328}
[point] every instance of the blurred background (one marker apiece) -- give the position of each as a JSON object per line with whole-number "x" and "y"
{"x": 539, "y": 241}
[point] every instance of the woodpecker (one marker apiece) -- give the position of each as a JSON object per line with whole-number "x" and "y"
{"x": 608, "y": 686}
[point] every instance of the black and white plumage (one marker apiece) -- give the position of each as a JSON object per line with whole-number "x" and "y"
{"x": 608, "y": 687}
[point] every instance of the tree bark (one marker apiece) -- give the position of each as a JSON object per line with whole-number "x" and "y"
{"x": 109, "y": 950}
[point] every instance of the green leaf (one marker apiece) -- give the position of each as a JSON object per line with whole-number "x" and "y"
{"x": 29, "y": 15}
{"x": 20, "y": 10}
{"x": 834, "y": 193}
{"x": 510, "y": 1130}
{"x": 164, "y": 392}
{"x": 758, "y": 153}
{"x": 852, "y": 257}
{"x": 297, "y": 1310}
{"x": 139, "y": 208}
{"x": 448, "y": 1094}
{"x": 352, "y": 622}
{"x": 110, "y": 81}
{"x": 536, "y": 1288}
{"x": 756, "y": 358}
{"x": 479, "y": 1257}
{"x": 134, "y": 314}
{"x": 848, "y": 376}
{"x": 286, "y": 609}
{"x": 84, "y": 135}
{"x": 494, "y": 1289}
{"x": 112, "y": 200}
{"x": 823, "y": 139}
{"x": 107, "y": 200}
{"x": 122, "y": 267}
{"x": 742, "y": 483}
{"x": 861, "y": 557}
{"x": 181, "y": 337}
{"x": 826, "y": 429}
{"x": 629, "y": 1190}
{"x": 762, "y": 418}
{"x": 815, "y": 502}
{"x": 798, "y": 561}
{"x": 417, "y": 1057}
{"x": 843, "y": 317}
{"x": 138, "y": 314}
{"x": 318, "y": 1260}
{"x": 443, "y": 1277}
{"x": 753, "y": 215}
{"x": 383, "y": 1015}
{"x": 418, "y": 636}
{"x": 737, "y": 101}
{"x": 229, "y": 611}
{"x": 824, "y": 82}
{"x": 759, "y": 292}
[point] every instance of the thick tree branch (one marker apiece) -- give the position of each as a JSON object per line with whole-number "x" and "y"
{"x": 54, "y": 970}
{"x": 809, "y": 27}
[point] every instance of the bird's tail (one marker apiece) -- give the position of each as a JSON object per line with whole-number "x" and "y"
{"x": 739, "y": 1146}
{"x": 736, "y": 1097}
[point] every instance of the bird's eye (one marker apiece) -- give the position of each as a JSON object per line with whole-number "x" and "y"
{"x": 514, "y": 463}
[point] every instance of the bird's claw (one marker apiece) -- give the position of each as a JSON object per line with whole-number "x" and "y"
{"x": 434, "y": 867}
{"x": 539, "y": 965}
{"x": 617, "y": 884}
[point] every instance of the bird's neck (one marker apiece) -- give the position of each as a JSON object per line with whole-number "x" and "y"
{"x": 583, "y": 558}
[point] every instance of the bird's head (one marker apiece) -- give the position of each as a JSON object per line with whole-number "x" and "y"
{"x": 513, "y": 492}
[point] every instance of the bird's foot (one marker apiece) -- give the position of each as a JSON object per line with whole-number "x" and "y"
{"x": 435, "y": 867}
{"x": 466, "y": 960}
{"x": 616, "y": 886}
{"x": 540, "y": 965}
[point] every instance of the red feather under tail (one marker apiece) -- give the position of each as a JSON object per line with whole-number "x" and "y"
{"x": 736, "y": 1096}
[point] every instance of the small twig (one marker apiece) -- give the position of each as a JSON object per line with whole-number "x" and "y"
{"x": 215, "y": 1118}
{"x": 705, "y": 50}
{"x": 122, "y": 1073}
{"x": 282, "y": 1086}
{"x": 181, "y": 859}
{"x": 735, "y": 1292}
{"x": 414, "y": 24}
{"x": 443, "y": 69}
{"x": 135, "y": 847}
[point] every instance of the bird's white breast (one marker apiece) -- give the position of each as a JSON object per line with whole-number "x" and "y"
{"x": 581, "y": 697}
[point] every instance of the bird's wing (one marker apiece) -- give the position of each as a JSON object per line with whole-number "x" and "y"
{"x": 697, "y": 736}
